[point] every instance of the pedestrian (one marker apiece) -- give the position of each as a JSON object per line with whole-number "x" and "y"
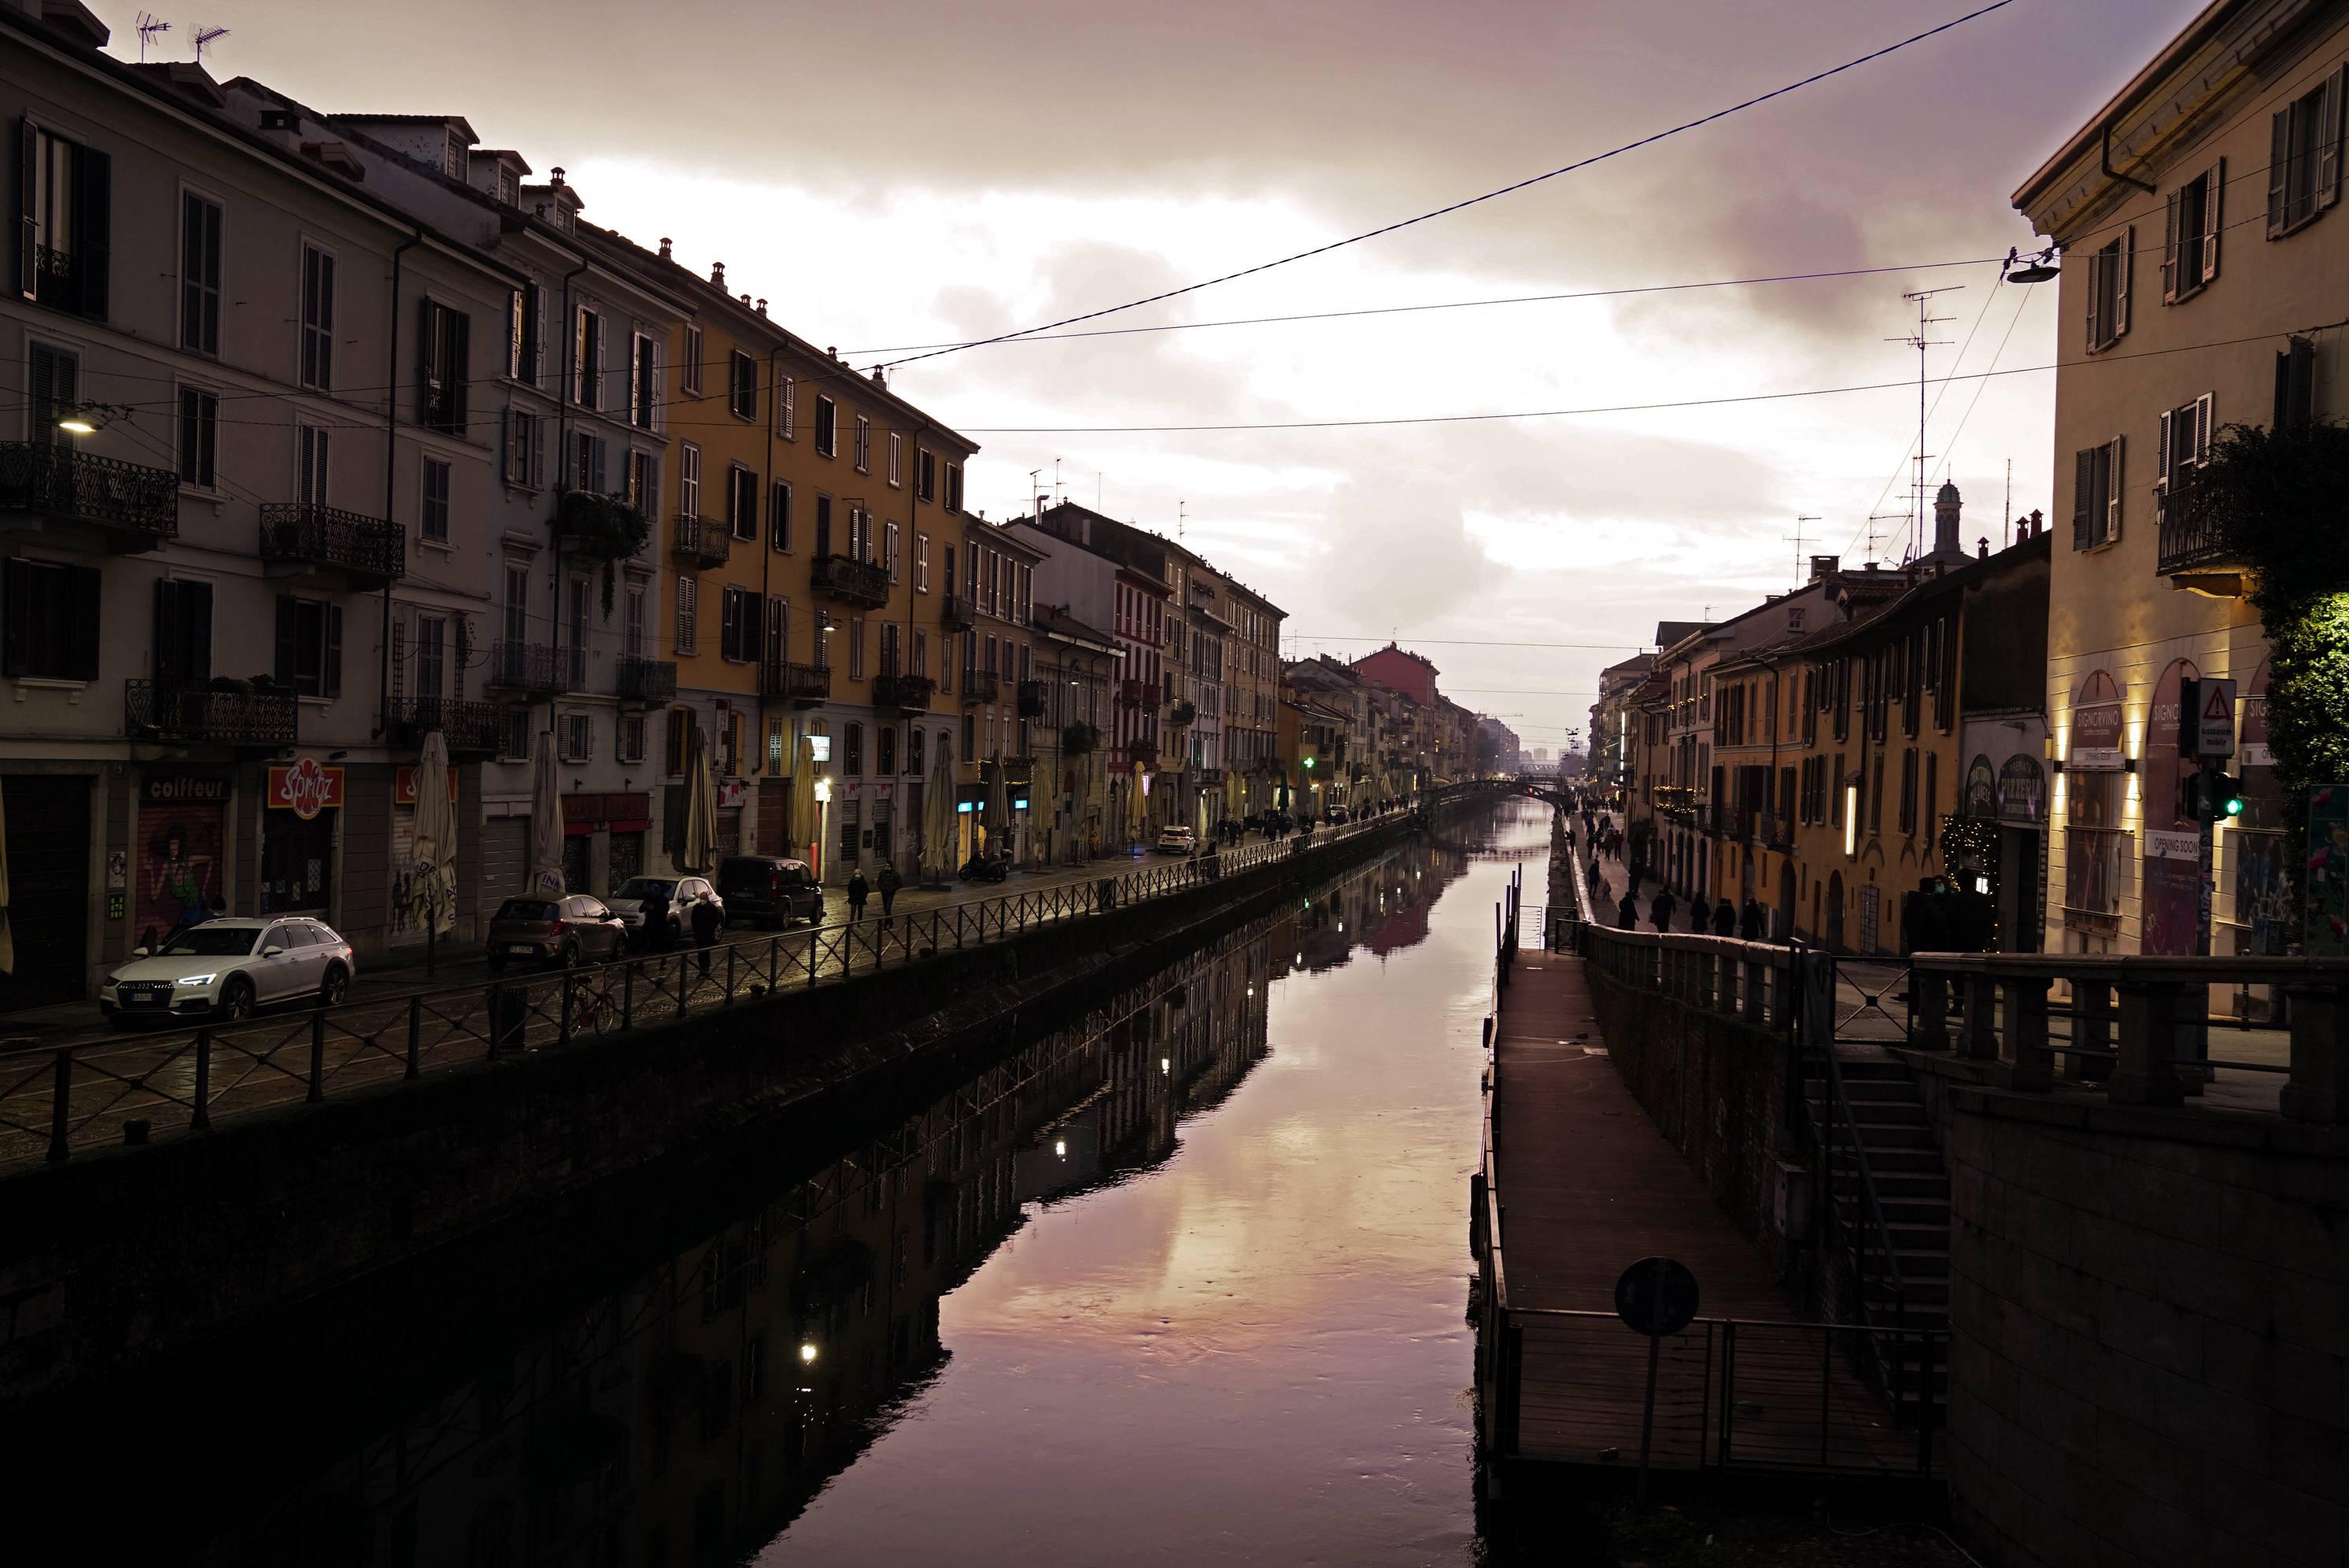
{"x": 1725, "y": 917}
{"x": 1660, "y": 911}
{"x": 1749, "y": 924}
{"x": 1626, "y": 914}
{"x": 656, "y": 913}
{"x": 707, "y": 921}
{"x": 888, "y": 881}
{"x": 858, "y": 892}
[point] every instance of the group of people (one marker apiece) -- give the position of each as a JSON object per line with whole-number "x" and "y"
{"x": 860, "y": 892}
{"x": 1723, "y": 919}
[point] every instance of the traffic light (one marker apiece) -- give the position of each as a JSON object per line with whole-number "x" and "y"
{"x": 2212, "y": 798}
{"x": 2227, "y": 797}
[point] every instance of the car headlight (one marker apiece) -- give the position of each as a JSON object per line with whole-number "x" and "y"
{"x": 196, "y": 979}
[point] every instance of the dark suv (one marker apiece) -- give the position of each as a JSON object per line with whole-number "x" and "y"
{"x": 770, "y": 890}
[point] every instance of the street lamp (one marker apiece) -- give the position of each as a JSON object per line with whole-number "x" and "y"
{"x": 2039, "y": 269}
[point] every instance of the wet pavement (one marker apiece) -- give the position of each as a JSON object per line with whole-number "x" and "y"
{"x": 1183, "y": 1283}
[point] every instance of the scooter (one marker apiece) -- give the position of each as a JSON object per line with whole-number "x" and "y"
{"x": 986, "y": 868}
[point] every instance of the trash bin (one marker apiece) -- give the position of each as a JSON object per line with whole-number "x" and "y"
{"x": 509, "y": 1015}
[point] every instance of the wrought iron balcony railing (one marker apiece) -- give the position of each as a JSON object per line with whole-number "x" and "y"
{"x": 801, "y": 685}
{"x": 954, "y": 614}
{"x": 909, "y": 695}
{"x": 645, "y": 680}
{"x": 2190, "y": 541}
{"x": 1179, "y": 714}
{"x": 1136, "y": 694}
{"x": 1031, "y": 699}
{"x": 303, "y": 534}
{"x": 51, "y": 480}
{"x": 226, "y": 713}
{"x": 854, "y": 581}
{"x": 702, "y": 542}
{"x": 468, "y": 727}
{"x": 532, "y": 669}
{"x": 981, "y": 685}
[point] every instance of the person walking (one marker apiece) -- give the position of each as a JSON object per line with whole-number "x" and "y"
{"x": 1750, "y": 923}
{"x": 888, "y": 881}
{"x": 707, "y": 921}
{"x": 859, "y": 890}
{"x": 1725, "y": 917}
{"x": 1627, "y": 915}
{"x": 1659, "y": 909}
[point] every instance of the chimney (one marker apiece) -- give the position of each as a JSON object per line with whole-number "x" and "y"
{"x": 1982, "y": 547}
{"x": 717, "y": 273}
{"x": 664, "y": 255}
{"x": 1946, "y": 506}
{"x": 762, "y": 308}
{"x": 1823, "y": 567}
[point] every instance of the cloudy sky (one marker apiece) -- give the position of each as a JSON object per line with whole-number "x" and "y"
{"x": 913, "y": 173}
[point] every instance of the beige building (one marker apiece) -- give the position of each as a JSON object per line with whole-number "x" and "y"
{"x": 2202, "y": 248}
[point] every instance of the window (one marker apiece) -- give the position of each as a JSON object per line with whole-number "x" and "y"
{"x": 199, "y": 436}
{"x": 521, "y": 333}
{"x": 2108, "y": 291}
{"x": 526, "y": 448}
{"x": 921, "y": 653}
{"x": 315, "y": 318}
{"x": 2295, "y": 386}
{"x": 2096, "y": 495}
{"x": 514, "y": 745}
{"x": 64, "y": 213}
{"x": 432, "y": 654}
{"x": 827, "y": 427}
{"x": 889, "y": 552}
{"x": 914, "y": 744}
{"x": 575, "y": 737}
{"x": 688, "y": 480}
{"x": 742, "y": 502}
{"x": 311, "y": 447}
{"x": 49, "y": 623}
{"x": 779, "y": 629}
{"x": 779, "y": 516}
{"x": 2305, "y": 157}
{"x": 885, "y": 751}
{"x": 199, "y": 274}
{"x": 822, "y": 526}
{"x": 630, "y": 735}
{"x": 644, "y": 382}
{"x": 926, "y": 476}
{"x": 2190, "y": 255}
{"x": 954, "y": 487}
{"x": 2185, "y": 446}
{"x": 588, "y": 453}
{"x": 786, "y": 409}
{"x": 643, "y": 491}
{"x": 632, "y": 623}
{"x": 739, "y": 635}
{"x": 969, "y": 734}
{"x": 678, "y": 724}
{"x": 863, "y": 457}
{"x": 852, "y": 749}
{"x": 856, "y": 647}
{"x": 742, "y": 393}
{"x": 432, "y": 516}
{"x": 587, "y": 358}
{"x": 452, "y": 158}
{"x": 860, "y": 534}
{"x": 509, "y": 185}
{"x": 183, "y": 633}
{"x": 517, "y": 624}
{"x": 921, "y": 564}
{"x": 442, "y": 347}
{"x": 309, "y": 646}
{"x": 896, "y": 460}
{"x": 689, "y": 375}
{"x": 684, "y": 606}
{"x": 575, "y": 634}
{"x": 892, "y": 648}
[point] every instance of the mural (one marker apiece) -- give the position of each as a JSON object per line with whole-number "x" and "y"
{"x": 179, "y": 869}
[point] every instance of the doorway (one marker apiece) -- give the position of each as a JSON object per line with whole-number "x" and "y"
{"x": 1835, "y": 913}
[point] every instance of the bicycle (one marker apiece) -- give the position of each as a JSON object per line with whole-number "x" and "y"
{"x": 593, "y": 1009}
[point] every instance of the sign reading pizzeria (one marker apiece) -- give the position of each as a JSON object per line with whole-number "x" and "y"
{"x": 305, "y": 788}
{"x": 2095, "y": 724}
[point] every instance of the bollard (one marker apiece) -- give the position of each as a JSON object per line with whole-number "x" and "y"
{"x": 1978, "y": 1040}
{"x": 2318, "y": 1090}
{"x": 415, "y": 1028}
{"x": 2028, "y": 1064}
{"x": 2147, "y": 1073}
{"x": 201, "y": 1116}
{"x": 317, "y": 1057}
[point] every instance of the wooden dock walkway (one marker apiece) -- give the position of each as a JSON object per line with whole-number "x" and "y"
{"x": 1587, "y": 1185}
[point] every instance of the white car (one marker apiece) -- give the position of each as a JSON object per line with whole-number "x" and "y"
{"x": 1177, "y": 839}
{"x": 682, "y": 893}
{"x": 225, "y": 968}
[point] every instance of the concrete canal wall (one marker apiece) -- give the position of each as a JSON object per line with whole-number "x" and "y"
{"x": 127, "y": 1257}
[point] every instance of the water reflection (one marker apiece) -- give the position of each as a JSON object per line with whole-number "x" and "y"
{"x": 1113, "y": 1352}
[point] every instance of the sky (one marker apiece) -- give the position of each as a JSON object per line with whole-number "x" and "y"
{"x": 912, "y": 173}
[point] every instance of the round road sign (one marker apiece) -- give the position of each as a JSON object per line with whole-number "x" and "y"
{"x": 1656, "y": 1297}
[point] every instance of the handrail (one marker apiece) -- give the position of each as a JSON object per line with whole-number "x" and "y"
{"x": 1826, "y": 1050}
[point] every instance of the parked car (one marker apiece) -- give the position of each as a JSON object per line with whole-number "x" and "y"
{"x": 569, "y": 931}
{"x": 226, "y": 967}
{"x": 768, "y": 889}
{"x": 1177, "y": 839}
{"x": 682, "y": 893}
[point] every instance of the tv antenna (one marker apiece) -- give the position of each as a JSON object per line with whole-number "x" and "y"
{"x": 150, "y": 28}
{"x": 1797, "y": 538}
{"x": 207, "y": 36}
{"x": 1873, "y": 518}
{"x": 1921, "y": 342}
{"x": 1180, "y": 512}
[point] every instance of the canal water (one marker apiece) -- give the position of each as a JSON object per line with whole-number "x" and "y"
{"x": 1183, "y": 1282}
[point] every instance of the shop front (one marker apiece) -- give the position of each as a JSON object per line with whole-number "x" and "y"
{"x": 603, "y": 840}
{"x": 409, "y": 918}
{"x": 181, "y": 846}
{"x": 302, "y": 808}
{"x": 48, "y": 822}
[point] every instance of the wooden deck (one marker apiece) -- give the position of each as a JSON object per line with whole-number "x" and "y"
{"x": 1587, "y": 1185}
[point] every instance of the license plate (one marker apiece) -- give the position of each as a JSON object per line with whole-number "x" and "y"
{"x": 519, "y": 947}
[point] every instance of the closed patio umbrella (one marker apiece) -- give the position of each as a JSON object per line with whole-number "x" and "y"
{"x": 436, "y": 844}
{"x": 545, "y": 820}
{"x": 1137, "y": 806}
{"x": 693, "y": 854}
{"x": 998, "y": 809}
{"x": 938, "y": 821}
{"x": 803, "y": 825}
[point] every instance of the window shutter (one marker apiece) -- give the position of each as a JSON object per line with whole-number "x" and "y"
{"x": 196, "y": 627}
{"x": 2214, "y": 204}
{"x": 579, "y": 356}
{"x": 2112, "y": 491}
{"x": 330, "y": 679}
{"x": 15, "y": 616}
{"x": 93, "y": 219}
{"x": 636, "y": 381}
{"x": 601, "y": 450}
{"x": 2096, "y": 261}
{"x": 458, "y": 369}
{"x": 2279, "y": 169}
{"x": 660, "y": 411}
{"x": 2164, "y": 450}
{"x": 507, "y": 464}
{"x": 537, "y": 451}
{"x": 786, "y": 411}
{"x": 289, "y": 639}
{"x": 2170, "y": 251}
{"x": 536, "y": 364}
{"x": 306, "y": 461}
{"x": 2084, "y": 489}
{"x": 2205, "y": 407}
{"x": 2328, "y": 139}
{"x": 513, "y": 333}
{"x": 596, "y": 392}
{"x": 163, "y": 662}
{"x": 81, "y": 636}
{"x": 28, "y": 154}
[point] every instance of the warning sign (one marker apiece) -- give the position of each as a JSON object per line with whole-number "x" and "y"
{"x": 2214, "y": 728}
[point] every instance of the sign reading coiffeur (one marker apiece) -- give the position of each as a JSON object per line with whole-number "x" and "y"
{"x": 305, "y": 788}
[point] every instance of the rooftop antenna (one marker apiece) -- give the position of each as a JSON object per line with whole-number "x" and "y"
{"x": 150, "y": 28}
{"x": 1873, "y": 518}
{"x": 1035, "y": 477}
{"x": 1056, "y": 482}
{"x": 1921, "y": 342}
{"x": 207, "y": 36}
{"x": 1797, "y": 536}
{"x": 1178, "y": 517}
{"x": 2006, "y": 514}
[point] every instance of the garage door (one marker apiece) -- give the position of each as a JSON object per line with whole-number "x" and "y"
{"x": 48, "y": 887}
{"x": 505, "y": 854}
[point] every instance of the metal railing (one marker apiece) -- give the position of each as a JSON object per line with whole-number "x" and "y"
{"x": 700, "y": 541}
{"x": 909, "y": 695}
{"x": 953, "y": 613}
{"x": 806, "y": 685}
{"x": 528, "y": 667}
{"x": 2190, "y": 539}
{"x": 310, "y": 535}
{"x": 192, "y": 715}
{"x": 54, "y": 479}
{"x": 59, "y": 1099}
{"x": 981, "y": 685}
{"x": 638, "y": 679}
{"x": 466, "y": 727}
{"x": 858, "y": 581}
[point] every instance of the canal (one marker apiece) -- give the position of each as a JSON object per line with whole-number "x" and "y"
{"x": 1183, "y": 1281}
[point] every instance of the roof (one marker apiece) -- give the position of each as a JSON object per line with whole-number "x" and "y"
{"x": 1056, "y": 623}
{"x": 2191, "y": 38}
{"x": 455, "y": 121}
{"x": 1670, "y": 631}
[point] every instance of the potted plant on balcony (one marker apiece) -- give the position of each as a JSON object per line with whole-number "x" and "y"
{"x": 603, "y": 528}
{"x": 1078, "y": 739}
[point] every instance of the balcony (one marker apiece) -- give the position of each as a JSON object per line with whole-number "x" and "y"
{"x": 643, "y": 680}
{"x": 225, "y": 713}
{"x": 801, "y": 685}
{"x": 528, "y": 669}
{"x": 1031, "y": 699}
{"x": 851, "y": 581}
{"x": 129, "y": 506}
{"x": 981, "y": 685}
{"x": 909, "y": 695}
{"x": 475, "y": 728}
{"x": 1182, "y": 713}
{"x": 1136, "y": 694}
{"x": 2192, "y": 553}
{"x": 954, "y": 614}
{"x": 701, "y": 542}
{"x": 1019, "y": 769}
{"x": 314, "y": 539}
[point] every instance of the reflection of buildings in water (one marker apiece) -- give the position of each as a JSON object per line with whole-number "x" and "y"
{"x": 693, "y": 1412}
{"x": 1384, "y": 906}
